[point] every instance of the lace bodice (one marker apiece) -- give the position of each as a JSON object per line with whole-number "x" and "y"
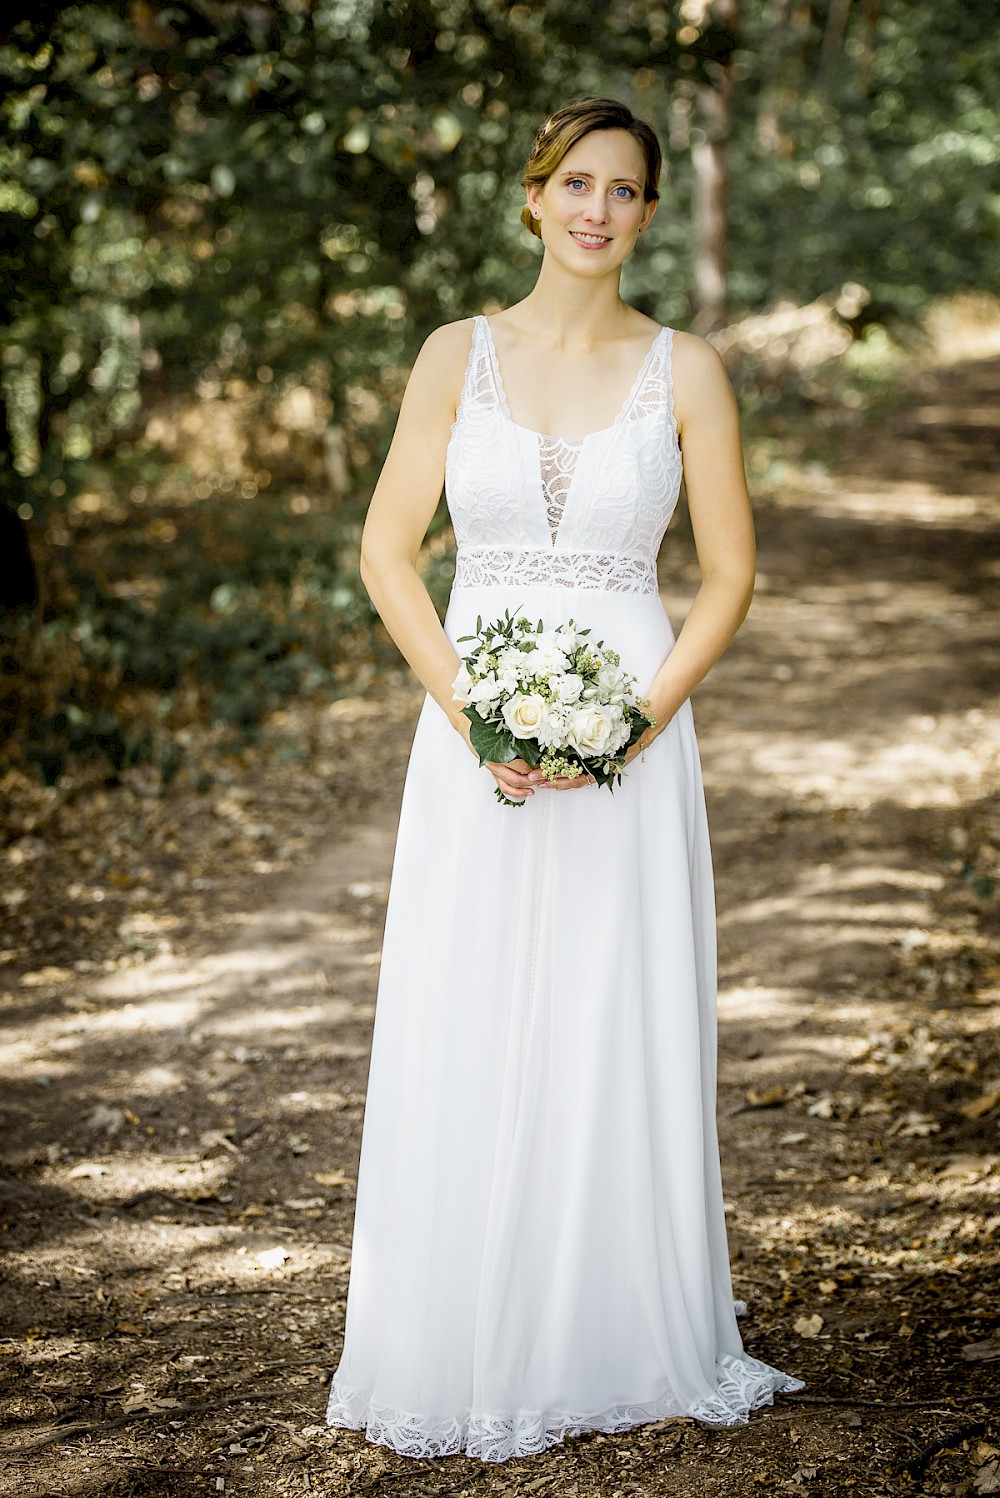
{"x": 531, "y": 507}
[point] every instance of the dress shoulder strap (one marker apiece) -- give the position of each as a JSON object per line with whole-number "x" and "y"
{"x": 480, "y": 386}
{"x": 654, "y": 392}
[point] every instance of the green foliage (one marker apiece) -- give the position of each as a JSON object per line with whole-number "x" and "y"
{"x": 197, "y": 199}
{"x": 237, "y": 615}
{"x": 880, "y": 164}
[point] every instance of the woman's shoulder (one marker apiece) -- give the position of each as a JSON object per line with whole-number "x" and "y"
{"x": 695, "y": 352}
{"x": 444, "y": 353}
{"x": 697, "y": 365}
{"x": 449, "y": 340}
{"x": 700, "y": 381}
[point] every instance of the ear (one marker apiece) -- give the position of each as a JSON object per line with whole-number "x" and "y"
{"x": 533, "y": 194}
{"x": 650, "y": 209}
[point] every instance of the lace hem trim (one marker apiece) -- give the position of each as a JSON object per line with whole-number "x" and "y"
{"x": 494, "y": 566}
{"x": 742, "y": 1385}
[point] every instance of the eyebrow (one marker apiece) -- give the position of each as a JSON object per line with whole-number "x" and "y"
{"x": 634, "y": 180}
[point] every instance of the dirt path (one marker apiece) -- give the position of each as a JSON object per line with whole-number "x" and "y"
{"x": 183, "y": 1085}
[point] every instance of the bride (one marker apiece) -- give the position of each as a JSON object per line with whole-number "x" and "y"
{"x": 540, "y": 1243}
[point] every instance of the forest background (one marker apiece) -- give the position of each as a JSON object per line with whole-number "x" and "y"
{"x": 227, "y": 227}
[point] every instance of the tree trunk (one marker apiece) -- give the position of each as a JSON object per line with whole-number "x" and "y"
{"x": 719, "y": 26}
{"x": 18, "y": 580}
{"x": 833, "y": 37}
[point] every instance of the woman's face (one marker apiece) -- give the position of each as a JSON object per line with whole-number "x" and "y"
{"x": 591, "y": 209}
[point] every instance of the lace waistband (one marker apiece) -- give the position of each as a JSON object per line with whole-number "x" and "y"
{"x": 524, "y": 566}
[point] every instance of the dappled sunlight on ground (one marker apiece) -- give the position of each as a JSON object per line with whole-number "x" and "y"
{"x": 183, "y": 1119}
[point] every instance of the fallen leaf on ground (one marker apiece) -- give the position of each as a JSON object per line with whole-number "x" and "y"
{"x": 913, "y": 1125}
{"x": 769, "y": 1098}
{"x": 333, "y": 1178}
{"x": 987, "y": 1479}
{"x": 981, "y": 1352}
{"x": 809, "y": 1326}
{"x": 215, "y": 1139}
{"x": 821, "y": 1108}
{"x": 981, "y": 1105}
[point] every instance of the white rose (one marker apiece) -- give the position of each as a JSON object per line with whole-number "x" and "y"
{"x": 568, "y": 688}
{"x": 620, "y": 731}
{"x": 611, "y": 683}
{"x": 524, "y": 714}
{"x": 462, "y": 684}
{"x": 590, "y": 729}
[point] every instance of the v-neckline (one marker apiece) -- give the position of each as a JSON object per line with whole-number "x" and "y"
{"x": 552, "y": 436}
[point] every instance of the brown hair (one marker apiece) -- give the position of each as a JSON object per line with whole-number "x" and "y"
{"x": 569, "y": 124}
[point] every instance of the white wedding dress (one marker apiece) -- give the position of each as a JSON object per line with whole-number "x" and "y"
{"x": 540, "y": 1244}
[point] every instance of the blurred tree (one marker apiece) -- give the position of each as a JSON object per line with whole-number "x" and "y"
{"x": 235, "y": 199}
{"x": 714, "y": 28}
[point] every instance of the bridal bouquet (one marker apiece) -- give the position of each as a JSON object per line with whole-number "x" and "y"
{"x": 549, "y": 697}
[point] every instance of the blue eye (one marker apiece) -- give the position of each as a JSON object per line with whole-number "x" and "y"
{"x": 579, "y": 181}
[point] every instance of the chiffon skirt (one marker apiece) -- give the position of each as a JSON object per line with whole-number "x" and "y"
{"x": 540, "y": 1244}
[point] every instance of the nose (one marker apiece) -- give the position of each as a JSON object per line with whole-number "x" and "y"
{"x": 596, "y": 210}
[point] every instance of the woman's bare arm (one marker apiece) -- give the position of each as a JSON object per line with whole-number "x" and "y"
{"x": 402, "y": 507}
{"x": 709, "y": 429}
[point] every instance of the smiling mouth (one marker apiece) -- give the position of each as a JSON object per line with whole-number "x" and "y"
{"x": 593, "y": 241}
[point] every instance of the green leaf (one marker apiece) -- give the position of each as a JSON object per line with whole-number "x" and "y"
{"x": 491, "y": 743}
{"x": 528, "y": 750}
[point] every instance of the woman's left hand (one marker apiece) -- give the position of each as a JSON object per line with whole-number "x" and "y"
{"x": 642, "y": 742}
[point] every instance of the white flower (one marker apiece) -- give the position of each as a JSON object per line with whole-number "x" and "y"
{"x": 620, "y": 730}
{"x": 482, "y": 662}
{"x": 524, "y": 714}
{"x": 552, "y": 732}
{"x": 546, "y": 661}
{"x": 511, "y": 670}
{"x": 611, "y": 683}
{"x": 591, "y": 728}
{"x": 486, "y": 691}
{"x": 461, "y": 685}
{"x": 569, "y": 687}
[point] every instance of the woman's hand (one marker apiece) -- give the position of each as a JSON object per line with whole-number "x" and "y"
{"x": 642, "y": 742}
{"x": 518, "y": 780}
{"x": 515, "y": 777}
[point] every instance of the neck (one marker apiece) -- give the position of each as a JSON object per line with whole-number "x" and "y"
{"x": 566, "y": 312}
